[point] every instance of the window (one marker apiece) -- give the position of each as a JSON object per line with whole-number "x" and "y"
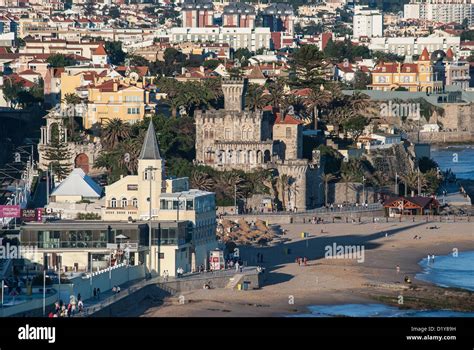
{"x": 135, "y": 202}
{"x": 113, "y": 203}
{"x": 206, "y": 134}
{"x": 161, "y": 255}
{"x": 124, "y": 202}
{"x": 227, "y": 134}
{"x": 146, "y": 175}
{"x": 133, "y": 110}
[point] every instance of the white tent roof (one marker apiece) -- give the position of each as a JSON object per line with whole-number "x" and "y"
{"x": 78, "y": 184}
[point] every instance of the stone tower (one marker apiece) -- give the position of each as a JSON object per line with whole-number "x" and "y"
{"x": 149, "y": 157}
{"x": 233, "y": 90}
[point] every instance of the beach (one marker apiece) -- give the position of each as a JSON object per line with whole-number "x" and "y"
{"x": 289, "y": 288}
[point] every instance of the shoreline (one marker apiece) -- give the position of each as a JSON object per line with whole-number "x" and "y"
{"x": 289, "y": 289}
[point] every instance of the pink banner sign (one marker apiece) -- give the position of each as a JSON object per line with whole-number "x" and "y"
{"x": 10, "y": 211}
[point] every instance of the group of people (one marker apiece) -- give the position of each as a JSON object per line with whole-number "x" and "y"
{"x": 302, "y": 261}
{"x": 431, "y": 258}
{"x": 96, "y": 293}
{"x": 69, "y": 310}
{"x": 116, "y": 289}
{"x": 179, "y": 272}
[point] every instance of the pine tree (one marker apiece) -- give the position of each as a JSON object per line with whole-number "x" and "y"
{"x": 58, "y": 155}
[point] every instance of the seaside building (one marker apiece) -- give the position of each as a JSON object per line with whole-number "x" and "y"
{"x": 239, "y": 14}
{"x": 250, "y": 38}
{"x": 409, "y": 46}
{"x": 197, "y": 13}
{"x": 417, "y": 205}
{"x": 419, "y": 76}
{"x": 279, "y": 17}
{"x": 367, "y": 23}
{"x": 183, "y": 222}
{"x": 440, "y": 11}
{"x": 237, "y": 138}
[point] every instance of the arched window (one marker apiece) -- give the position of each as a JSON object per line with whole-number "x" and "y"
{"x": 113, "y": 203}
{"x": 123, "y": 202}
{"x": 206, "y": 134}
{"x": 135, "y": 202}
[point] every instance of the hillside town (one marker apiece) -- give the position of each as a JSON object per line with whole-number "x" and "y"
{"x": 194, "y": 142}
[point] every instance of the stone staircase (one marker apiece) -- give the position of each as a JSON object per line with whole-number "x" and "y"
{"x": 234, "y": 281}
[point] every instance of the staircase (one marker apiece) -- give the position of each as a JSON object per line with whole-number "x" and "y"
{"x": 234, "y": 281}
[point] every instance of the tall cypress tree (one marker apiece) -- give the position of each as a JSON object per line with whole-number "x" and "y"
{"x": 58, "y": 155}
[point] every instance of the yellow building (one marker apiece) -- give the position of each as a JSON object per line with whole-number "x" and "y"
{"x": 172, "y": 200}
{"x": 419, "y": 76}
{"x": 114, "y": 99}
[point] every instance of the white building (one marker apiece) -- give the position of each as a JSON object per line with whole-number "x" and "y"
{"x": 414, "y": 46}
{"x": 444, "y": 11}
{"x": 367, "y": 22}
{"x": 250, "y": 38}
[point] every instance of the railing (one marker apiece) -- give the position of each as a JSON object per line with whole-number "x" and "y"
{"x": 351, "y": 209}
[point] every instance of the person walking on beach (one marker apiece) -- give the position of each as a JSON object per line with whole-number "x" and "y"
{"x": 432, "y": 259}
{"x": 398, "y": 268}
{"x": 429, "y": 257}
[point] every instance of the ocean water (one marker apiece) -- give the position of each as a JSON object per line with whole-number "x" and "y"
{"x": 460, "y": 159}
{"x": 450, "y": 271}
{"x": 447, "y": 271}
{"x": 375, "y": 310}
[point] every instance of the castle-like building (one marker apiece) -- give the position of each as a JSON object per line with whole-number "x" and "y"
{"x": 240, "y": 139}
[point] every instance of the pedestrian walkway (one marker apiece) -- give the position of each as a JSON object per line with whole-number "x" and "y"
{"x": 452, "y": 195}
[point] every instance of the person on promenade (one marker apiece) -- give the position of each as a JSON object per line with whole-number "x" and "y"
{"x": 98, "y": 293}
{"x": 237, "y": 266}
{"x": 94, "y": 292}
{"x": 80, "y": 306}
{"x": 114, "y": 289}
{"x": 118, "y": 289}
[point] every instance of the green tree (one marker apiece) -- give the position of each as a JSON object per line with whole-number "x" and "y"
{"x": 327, "y": 178}
{"x": 307, "y": 67}
{"x": 361, "y": 80}
{"x": 254, "y": 97}
{"x": 355, "y": 126}
{"x": 115, "y": 53}
{"x": 60, "y": 60}
{"x": 11, "y": 90}
{"x": 115, "y": 131}
{"x": 58, "y": 155}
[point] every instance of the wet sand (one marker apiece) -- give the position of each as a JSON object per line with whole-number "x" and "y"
{"x": 289, "y": 288}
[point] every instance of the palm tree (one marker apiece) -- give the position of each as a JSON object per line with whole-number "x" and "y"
{"x": 283, "y": 183}
{"x": 202, "y": 181}
{"x": 71, "y": 100}
{"x": 359, "y": 101}
{"x": 326, "y": 178}
{"x": 411, "y": 181}
{"x": 115, "y": 131}
{"x": 276, "y": 93}
{"x": 130, "y": 151}
{"x": 254, "y": 99}
{"x": 318, "y": 98}
{"x": 346, "y": 178}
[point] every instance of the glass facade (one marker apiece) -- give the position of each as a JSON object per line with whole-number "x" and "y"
{"x": 76, "y": 238}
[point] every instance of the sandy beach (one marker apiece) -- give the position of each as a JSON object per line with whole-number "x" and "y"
{"x": 290, "y": 288}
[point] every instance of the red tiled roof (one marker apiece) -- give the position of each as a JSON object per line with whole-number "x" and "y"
{"x": 100, "y": 50}
{"x": 29, "y": 72}
{"x": 289, "y": 119}
{"x": 425, "y": 56}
